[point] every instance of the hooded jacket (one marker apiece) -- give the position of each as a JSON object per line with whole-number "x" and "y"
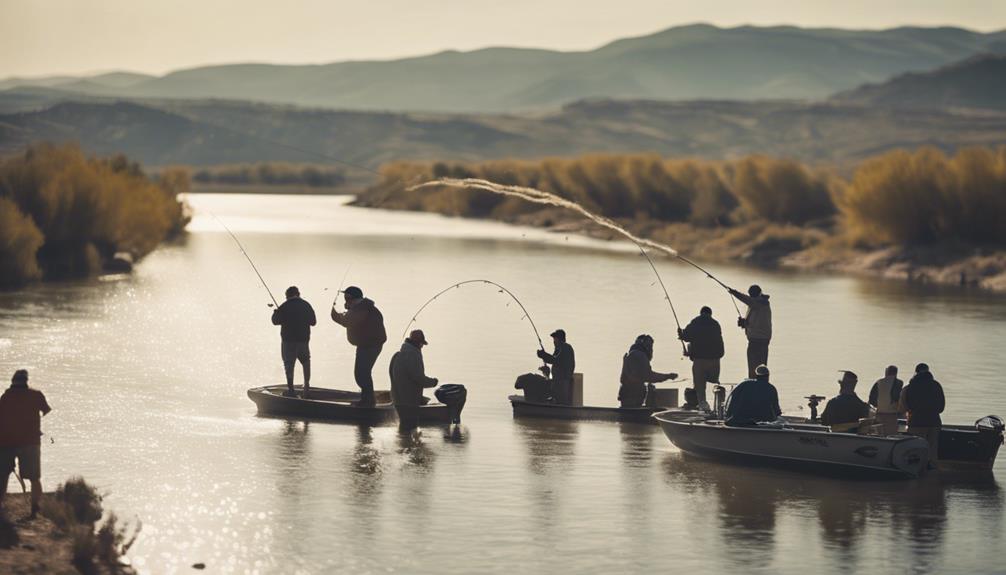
{"x": 759, "y": 316}
{"x": 705, "y": 338}
{"x": 364, "y": 324}
{"x": 408, "y": 376}
{"x": 924, "y": 401}
{"x": 563, "y": 361}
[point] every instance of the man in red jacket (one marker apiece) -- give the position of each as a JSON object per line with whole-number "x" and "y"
{"x": 365, "y": 330}
{"x": 21, "y": 434}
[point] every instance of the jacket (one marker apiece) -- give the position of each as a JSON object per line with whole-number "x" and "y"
{"x": 705, "y": 338}
{"x": 21, "y": 409}
{"x": 408, "y": 376}
{"x": 844, "y": 408}
{"x": 759, "y": 317}
{"x": 296, "y": 317}
{"x": 752, "y": 401}
{"x": 563, "y": 362}
{"x": 636, "y": 370}
{"x": 885, "y": 395}
{"x": 364, "y": 324}
{"x": 924, "y": 401}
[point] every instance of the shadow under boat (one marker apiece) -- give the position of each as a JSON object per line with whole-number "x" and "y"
{"x": 335, "y": 405}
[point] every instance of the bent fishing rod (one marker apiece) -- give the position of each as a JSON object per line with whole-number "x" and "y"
{"x": 474, "y": 281}
{"x": 733, "y": 300}
{"x": 667, "y": 296}
{"x": 247, "y": 257}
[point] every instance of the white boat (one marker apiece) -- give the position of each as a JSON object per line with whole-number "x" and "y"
{"x": 805, "y": 446}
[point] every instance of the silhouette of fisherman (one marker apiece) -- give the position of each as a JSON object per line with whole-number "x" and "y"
{"x": 885, "y": 395}
{"x": 408, "y": 379}
{"x": 705, "y": 348}
{"x": 844, "y": 411}
{"x": 21, "y": 435}
{"x": 757, "y": 325}
{"x": 924, "y": 401}
{"x": 636, "y": 373}
{"x": 295, "y": 316}
{"x": 754, "y": 400}
{"x": 365, "y": 330}
{"x": 563, "y": 362}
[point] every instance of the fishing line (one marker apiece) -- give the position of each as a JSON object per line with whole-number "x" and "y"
{"x": 733, "y": 300}
{"x": 489, "y": 282}
{"x": 243, "y": 251}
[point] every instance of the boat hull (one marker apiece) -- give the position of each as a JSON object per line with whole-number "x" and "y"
{"x": 524, "y": 408}
{"x": 336, "y": 405}
{"x": 805, "y": 449}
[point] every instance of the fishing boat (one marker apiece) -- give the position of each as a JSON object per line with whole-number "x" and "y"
{"x": 804, "y": 446}
{"x": 525, "y": 408}
{"x": 337, "y": 405}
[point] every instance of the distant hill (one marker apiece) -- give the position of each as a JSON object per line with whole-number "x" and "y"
{"x": 218, "y": 132}
{"x": 978, "y": 82}
{"x": 681, "y": 63}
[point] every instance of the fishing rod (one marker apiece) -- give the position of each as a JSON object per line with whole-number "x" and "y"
{"x": 712, "y": 277}
{"x": 667, "y": 296}
{"x": 243, "y": 251}
{"x": 483, "y": 281}
{"x": 342, "y": 284}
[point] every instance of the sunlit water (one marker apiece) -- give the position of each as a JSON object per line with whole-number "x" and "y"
{"x": 147, "y": 375}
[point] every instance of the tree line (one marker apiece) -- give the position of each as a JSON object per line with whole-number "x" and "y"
{"x": 63, "y": 214}
{"x": 271, "y": 174}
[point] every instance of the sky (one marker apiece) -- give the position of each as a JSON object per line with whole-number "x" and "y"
{"x": 46, "y": 37}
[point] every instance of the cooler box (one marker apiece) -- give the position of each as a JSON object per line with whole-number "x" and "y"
{"x": 667, "y": 397}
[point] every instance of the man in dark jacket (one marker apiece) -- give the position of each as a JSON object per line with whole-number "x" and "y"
{"x": 296, "y": 317}
{"x": 637, "y": 373}
{"x": 705, "y": 339}
{"x": 844, "y": 411}
{"x": 408, "y": 379}
{"x": 364, "y": 325}
{"x": 924, "y": 401}
{"x": 757, "y": 326}
{"x": 21, "y": 410}
{"x": 753, "y": 400}
{"x": 563, "y": 362}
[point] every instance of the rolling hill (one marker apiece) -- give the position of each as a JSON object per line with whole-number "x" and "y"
{"x": 681, "y": 63}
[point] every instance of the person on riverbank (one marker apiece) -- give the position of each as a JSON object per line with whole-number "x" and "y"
{"x": 705, "y": 349}
{"x": 757, "y": 325}
{"x": 637, "y": 373}
{"x": 364, "y": 325}
{"x": 295, "y": 316}
{"x": 885, "y": 396}
{"x": 754, "y": 400}
{"x": 21, "y": 411}
{"x": 924, "y": 401}
{"x": 843, "y": 412}
{"x": 563, "y": 362}
{"x": 408, "y": 379}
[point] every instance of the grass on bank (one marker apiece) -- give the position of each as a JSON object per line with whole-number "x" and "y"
{"x": 62, "y": 214}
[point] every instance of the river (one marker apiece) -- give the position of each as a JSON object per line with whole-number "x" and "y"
{"x": 147, "y": 376}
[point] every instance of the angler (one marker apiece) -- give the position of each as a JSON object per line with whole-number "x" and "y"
{"x": 757, "y": 325}
{"x": 364, "y": 325}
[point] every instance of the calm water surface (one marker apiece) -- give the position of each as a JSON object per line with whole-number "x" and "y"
{"x": 147, "y": 375}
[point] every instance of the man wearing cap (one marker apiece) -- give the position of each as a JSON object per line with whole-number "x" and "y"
{"x": 885, "y": 395}
{"x": 365, "y": 330}
{"x": 296, "y": 317}
{"x": 563, "y": 362}
{"x": 637, "y": 373}
{"x": 844, "y": 411}
{"x": 705, "y": 348}
{"x": 21, "y": 409}
{"x": 753, "y": 400}
{"x": 757, "y": 326}
{"x": 408, "y": 379}
{"x": 924, "y": 401}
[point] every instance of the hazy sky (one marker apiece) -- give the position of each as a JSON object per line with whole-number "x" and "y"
{"x": 40, "y": 37}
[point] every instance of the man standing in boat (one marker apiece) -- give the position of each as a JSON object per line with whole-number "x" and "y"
{"x": 636, "y": 373}
{"x": 296, "y": 317}
{"x": 408, "y": 379}
{"x": 924, "y": 401}
{"x": 886, "y": 397}
{"x": 705, "y": 348}
{"x": 757, "y": 326}
{"x": 563, "y": 363}
{"x": 753, "y": 400}
{"x": 843, "y": 412}
{"x": 365, "y": 330}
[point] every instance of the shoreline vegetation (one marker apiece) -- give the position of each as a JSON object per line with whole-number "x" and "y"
{"x": 64, "y": 215}
{"x": 68, "y": 535}
{"x": 920, "y": 216}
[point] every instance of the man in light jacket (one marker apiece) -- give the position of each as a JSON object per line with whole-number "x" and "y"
{"x": 886, "y": 397}
{"x": 408, "y": 379}
{"x": 365, "y": 330}
{"x": 757, "y": 326}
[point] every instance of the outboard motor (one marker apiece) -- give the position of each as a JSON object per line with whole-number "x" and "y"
{"x": 992, "y": 425}
{"x": 453, "y": 396}
{"x": 812, "y": 402}
{"x": 719, "y": 400}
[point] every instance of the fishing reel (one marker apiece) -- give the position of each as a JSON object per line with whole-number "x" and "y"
{"x": 742, "y": 322}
